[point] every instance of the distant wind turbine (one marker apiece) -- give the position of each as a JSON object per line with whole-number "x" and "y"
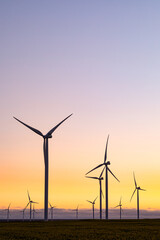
{"x": 23, "y": 212}
{"x": 107, "y": 169}
{"x": 138, "y": 189}
{"x": 8, "y": 211}
{"x": 46, "y": 156}
{"x": 120, "y": 207}
{"x": 30, "y": 203}
{"x": 51, "y": 210}
{"x": 34, "y": 211}
{"x": 100, "y": 178}
{"x": 93, "y": 204}
{"x": 76, "y": 210}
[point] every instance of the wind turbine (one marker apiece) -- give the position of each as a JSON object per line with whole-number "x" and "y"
{"x": 23, "y": 212}
{"x": 138, "y": 189}
{"x": 100, "y": 178}
{"x": 120, "y": 207}
{"x": 30, "y": 202}
{"x": 93, "y": 204}
{"x": 7, "y": 209}
{"x": 51, "y": 209}
{"x": 34, "y": 211}
{"x": 8, "y": 213}
{"x": 107, "y": 169}
{"x": 76, "y": 210}
{"x": 46, "y": 157}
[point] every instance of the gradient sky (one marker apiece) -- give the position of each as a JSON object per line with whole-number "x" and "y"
{"x": 98, "y": 60}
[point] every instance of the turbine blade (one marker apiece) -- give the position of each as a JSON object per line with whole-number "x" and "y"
{"x": 134, "y": 180}
{"x": 28, "y": 196}
{"x": 27, "y": 205}
{"x": 95, "y": 200}
{"x": 142, "y": 189}
{"x": 35, "y": 202}
{"x": 95, "y": 168}
{"x": 50, "y": 205}
{"x": 92, "y": 177}
{"x": 120, "y": 201}
{"x": 113, "y": 174}
{"x": 105, "y": 155}
{"x": 33, "y": 129}
{"x": 116, "y": 206}
{"x": 133, "y": 194}
{"x": 54, "y": 128}
{"x": 101, "y": 173}
{"x": 9, "y": 205}
{"x": 88, "y": 201}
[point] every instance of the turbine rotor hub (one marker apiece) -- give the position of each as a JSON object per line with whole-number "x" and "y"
{"x": 48, "y": 136}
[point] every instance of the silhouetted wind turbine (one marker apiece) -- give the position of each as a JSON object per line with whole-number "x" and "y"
{"x": 8, "y": 213}
{"x": 30, "y": 202}
{"x": 7, "y": 210}
{"x": 107, "y": 169}
{"x": 138, "y": 189}
{"x": 34, "y": 211}
{"x": 100, "y": 178}
{"x": 76, "y": 210}
{"x": 23, "y": 211}
{"x": 93, "y": 204}
{"x": 51, "y": 209}
{"x": 120, "y": 207}
{"x": 46, "y": 156}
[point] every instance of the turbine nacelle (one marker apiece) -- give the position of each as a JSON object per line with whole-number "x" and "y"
{"x": 47, "y": 136}
{"x": 107, "y": 163}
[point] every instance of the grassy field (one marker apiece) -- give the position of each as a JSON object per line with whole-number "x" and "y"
{"x": 81, "y": 229}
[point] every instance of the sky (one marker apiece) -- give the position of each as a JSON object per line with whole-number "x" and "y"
{"x": 100, "y": 61}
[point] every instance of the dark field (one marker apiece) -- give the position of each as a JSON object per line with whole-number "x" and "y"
{"x": 81, "y": 229}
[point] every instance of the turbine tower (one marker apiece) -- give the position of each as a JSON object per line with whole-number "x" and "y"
{"x": 100, "y": 178}
{"x": 138, "y": 189}
{"x": 93, "y": 204}
{"x": 30, "y": 202}
{"x": 120, "y": 207}
{"x": 46, "y": 156}
{"x": 105, "y": 163}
